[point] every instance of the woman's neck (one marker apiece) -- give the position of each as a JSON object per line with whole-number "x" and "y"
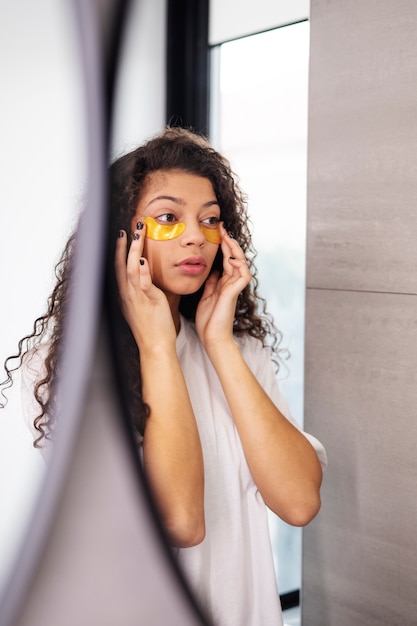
{"x": 174, "y": 304}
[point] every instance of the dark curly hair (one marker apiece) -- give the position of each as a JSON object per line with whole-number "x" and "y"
{"x": 173, "y": 149}
{"x": 47, "y": 329}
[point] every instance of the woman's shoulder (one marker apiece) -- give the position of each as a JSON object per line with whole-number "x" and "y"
{"x": 33, "y": 370}
{"x": 253, "y": 346}
{"x": 33, "y": 361}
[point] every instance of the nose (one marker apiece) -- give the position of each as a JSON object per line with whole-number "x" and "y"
{"x": 193, "y": 235}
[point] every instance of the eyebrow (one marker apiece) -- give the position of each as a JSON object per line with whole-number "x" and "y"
{"x": 181, "y": 202}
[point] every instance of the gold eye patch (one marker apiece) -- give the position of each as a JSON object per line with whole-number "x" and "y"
{"x": 211, "y": 234}
{"x": 164, "y": 232}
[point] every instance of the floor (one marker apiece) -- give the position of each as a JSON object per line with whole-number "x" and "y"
{"x": 292, "y": 617}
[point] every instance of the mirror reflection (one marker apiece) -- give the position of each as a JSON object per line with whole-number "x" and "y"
{"x": 43, "y": 171}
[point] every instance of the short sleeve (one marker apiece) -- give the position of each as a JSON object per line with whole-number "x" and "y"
{"x": 259, "y": 360}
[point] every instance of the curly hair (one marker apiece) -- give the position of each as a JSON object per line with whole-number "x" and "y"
{"x": 47, "y": 328}
{"x": 173, "y": 149}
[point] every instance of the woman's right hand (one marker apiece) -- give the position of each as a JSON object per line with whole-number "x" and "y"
{"x": 144, "y": 306}
{"x": 172, "y": 452}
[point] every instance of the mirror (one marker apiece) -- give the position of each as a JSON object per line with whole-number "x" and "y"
{"x": 43, "y": 170}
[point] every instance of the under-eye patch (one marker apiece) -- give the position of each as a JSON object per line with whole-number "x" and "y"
{"x": 211, "y": 234}
{"x": 164, "y": 232}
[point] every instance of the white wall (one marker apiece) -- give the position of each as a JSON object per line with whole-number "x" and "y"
{"x": 43, "y": 179}
{"x": 231, "y": 19}
{"x": 42, "y": 164}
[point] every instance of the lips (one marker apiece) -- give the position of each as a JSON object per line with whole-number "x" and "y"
{"x": 193, "y": 261}
{"x": 192, "y": 266}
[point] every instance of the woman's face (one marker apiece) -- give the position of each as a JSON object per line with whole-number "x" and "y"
{"x": 187, "y": 203}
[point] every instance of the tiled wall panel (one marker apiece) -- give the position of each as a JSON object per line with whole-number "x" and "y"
{"x": 360, "y": 561}
{"x": 362, "y": 218}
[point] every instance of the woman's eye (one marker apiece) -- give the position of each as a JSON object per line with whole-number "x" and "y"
{"x": 211, "y": 222}
{"x": 167, "y": 218}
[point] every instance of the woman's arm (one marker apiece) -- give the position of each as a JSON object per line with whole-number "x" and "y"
{"x": 283, "y": 463}
{"x": 173, "y": 461}
{"x": 172, "y": 453}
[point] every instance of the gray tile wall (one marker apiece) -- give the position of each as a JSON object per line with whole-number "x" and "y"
{"x": 360, "y": 554}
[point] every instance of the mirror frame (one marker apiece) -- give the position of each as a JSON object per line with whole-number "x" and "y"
{"x": 99, "y": 37}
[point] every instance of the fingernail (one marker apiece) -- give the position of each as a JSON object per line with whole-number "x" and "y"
{"x": 142, "y": 261}
{"x": 121, "y": 233}
{"x": 229, "y": 234}
{"x": 136, "y": 236}
{"x": 139, "y": 226}
{"x": 233, "y": 258}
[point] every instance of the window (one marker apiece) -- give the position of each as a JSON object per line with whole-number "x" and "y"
{"x": 259, "y": 88}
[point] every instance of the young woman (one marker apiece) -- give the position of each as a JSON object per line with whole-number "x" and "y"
{"x": 194, "y": 347}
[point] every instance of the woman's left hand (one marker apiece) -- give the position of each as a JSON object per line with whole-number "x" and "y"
{"x": 216, "y": 309}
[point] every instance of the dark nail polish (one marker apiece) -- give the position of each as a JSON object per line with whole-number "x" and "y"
{"x": 139, "y": 225}
{"x": 136, "y": 236}
{"x": 142, "y": 262}
{"x": 121, "y": 233}
{"x": 229, "y": 234}
{"x": 233, "y": 258}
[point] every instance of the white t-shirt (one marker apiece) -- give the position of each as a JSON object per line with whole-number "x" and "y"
{"x": 232, "y": 571}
